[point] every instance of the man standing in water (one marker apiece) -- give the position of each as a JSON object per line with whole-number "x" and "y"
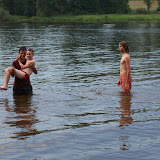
{"x": 21, "y": 86}
{"x": 125, "y": 69}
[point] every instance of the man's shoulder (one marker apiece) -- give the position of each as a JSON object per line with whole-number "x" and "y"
{"x": 14, "y": 62}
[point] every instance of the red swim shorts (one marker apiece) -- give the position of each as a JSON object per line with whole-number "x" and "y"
{"x": 26, "y": 76}
{"x": 123, "y": 82}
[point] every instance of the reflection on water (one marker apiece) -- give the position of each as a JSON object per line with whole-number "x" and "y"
{"x": 24, "y": 118}
{"x": 125, "y": 109}
{"x": 125, "y": 119}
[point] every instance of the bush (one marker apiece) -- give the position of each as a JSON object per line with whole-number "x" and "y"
{"x": 158, "y": 9}
{"x": 4, "y": 15}
{"x": 141, "y": 11}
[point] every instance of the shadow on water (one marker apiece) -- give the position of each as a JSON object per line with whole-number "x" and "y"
{"x": 24, "y": 117}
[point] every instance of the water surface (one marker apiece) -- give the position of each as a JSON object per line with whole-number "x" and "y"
{"x": 77, "y": 111}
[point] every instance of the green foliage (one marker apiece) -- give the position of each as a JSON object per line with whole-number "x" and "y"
{"x": 46, "y": 8}
{"x": 29, "y": 8}
{"x": 109, "y": 6}
{"x": 5, "y": 16}
{"x": 8, "y": 5}
{"x": 49, "y": 8}
{"x": 91, "y": 18}
{"x": 148, "y": 3}
{"x": 158, "y": 9}
{"x": 141, "y": 11}
{"x": 82, "y": 6}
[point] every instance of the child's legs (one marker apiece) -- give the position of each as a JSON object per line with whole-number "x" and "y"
{"x": 7, "y": 74}
{"x": 19, "y": 74}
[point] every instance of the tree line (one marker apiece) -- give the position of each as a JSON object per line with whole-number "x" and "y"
{"x": 48, "y": 8}
{"x": 52, "y": 7}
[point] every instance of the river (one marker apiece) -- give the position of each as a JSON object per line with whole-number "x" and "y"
{"x": 77, "y": 111}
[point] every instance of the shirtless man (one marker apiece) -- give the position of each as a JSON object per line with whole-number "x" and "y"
{"x": 125, "y": 69}
{"x": 23, "y": 74}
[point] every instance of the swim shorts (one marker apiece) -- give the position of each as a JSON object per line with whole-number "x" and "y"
{"x": 25, "y": 90}
{"x": 123, "y": 82}
{"x": 26, "y": 76}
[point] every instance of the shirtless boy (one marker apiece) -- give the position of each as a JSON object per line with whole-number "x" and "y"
{"x": 23, "y": 74}
{"x": 125, "y": 69}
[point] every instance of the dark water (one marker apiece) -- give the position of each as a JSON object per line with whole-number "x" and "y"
{"x": 77, "y": 111}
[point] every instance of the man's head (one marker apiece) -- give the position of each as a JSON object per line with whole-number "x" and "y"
{"x": 30, "y": 54}
{"x": 22, "y": 52}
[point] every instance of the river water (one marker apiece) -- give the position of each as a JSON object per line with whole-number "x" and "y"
{"x": 77, "y": 111}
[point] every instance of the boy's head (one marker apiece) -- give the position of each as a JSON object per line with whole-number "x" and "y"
{"x": 125, "y": 46}
{"x": 30, "y": 54}
{"x": 22, "y": 52}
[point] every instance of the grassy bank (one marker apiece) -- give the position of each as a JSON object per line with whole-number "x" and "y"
{"x": 89, "y": 18}
{"x": 133, "y": 16}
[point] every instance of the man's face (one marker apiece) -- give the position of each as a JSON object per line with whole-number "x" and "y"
{"x": 22, "y": 54}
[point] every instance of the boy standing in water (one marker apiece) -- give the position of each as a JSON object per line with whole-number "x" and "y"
{"x": 22, "y": 74}
{"x": 125, "y": 69}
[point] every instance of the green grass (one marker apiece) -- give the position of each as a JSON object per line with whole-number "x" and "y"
{"x": 134, "y": 5}
{"x": 90, "y": 18}
{"x": 107, "y": 18}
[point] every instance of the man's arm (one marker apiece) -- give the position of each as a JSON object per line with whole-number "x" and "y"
{"x": 22, "y": 65}
{"x": 128, "y": 70}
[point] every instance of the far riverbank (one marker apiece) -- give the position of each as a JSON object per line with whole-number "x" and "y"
{"x": 89, "y": 18}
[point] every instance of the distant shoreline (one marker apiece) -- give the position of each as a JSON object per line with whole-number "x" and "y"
{"x": 89, "y": 18}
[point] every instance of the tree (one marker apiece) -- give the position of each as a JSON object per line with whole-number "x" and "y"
{"x": 113, "y": 6}
{"x": 82, "y": 6}
{"x": 8, "y": 5}
{"x": 148, "y": 3}
{"x": 121, "y": 6}
{"x": 30, "y": 7}
{"x": 158, "y": 9}
{"x": 19, "y": 7}
{"x": 46, "y": 8}
{"x": 61, "y": 6}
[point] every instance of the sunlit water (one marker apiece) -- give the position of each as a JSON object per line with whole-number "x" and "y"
{"x": 77, "y": 111}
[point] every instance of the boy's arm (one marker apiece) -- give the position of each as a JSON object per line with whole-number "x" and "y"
{"x": 32, "y": 65}
{"x": 118, "y": 83}
{"x": 34, "y": 69}
{"x": 22, "y": 65}
{"x": 128, "y": 72}
{"x": 128, "y": 69}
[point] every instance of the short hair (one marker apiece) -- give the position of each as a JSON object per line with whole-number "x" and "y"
{"x": 125, "y": 45}
{"x": 23, "y": 48}
{"x": 31, "y": 50}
